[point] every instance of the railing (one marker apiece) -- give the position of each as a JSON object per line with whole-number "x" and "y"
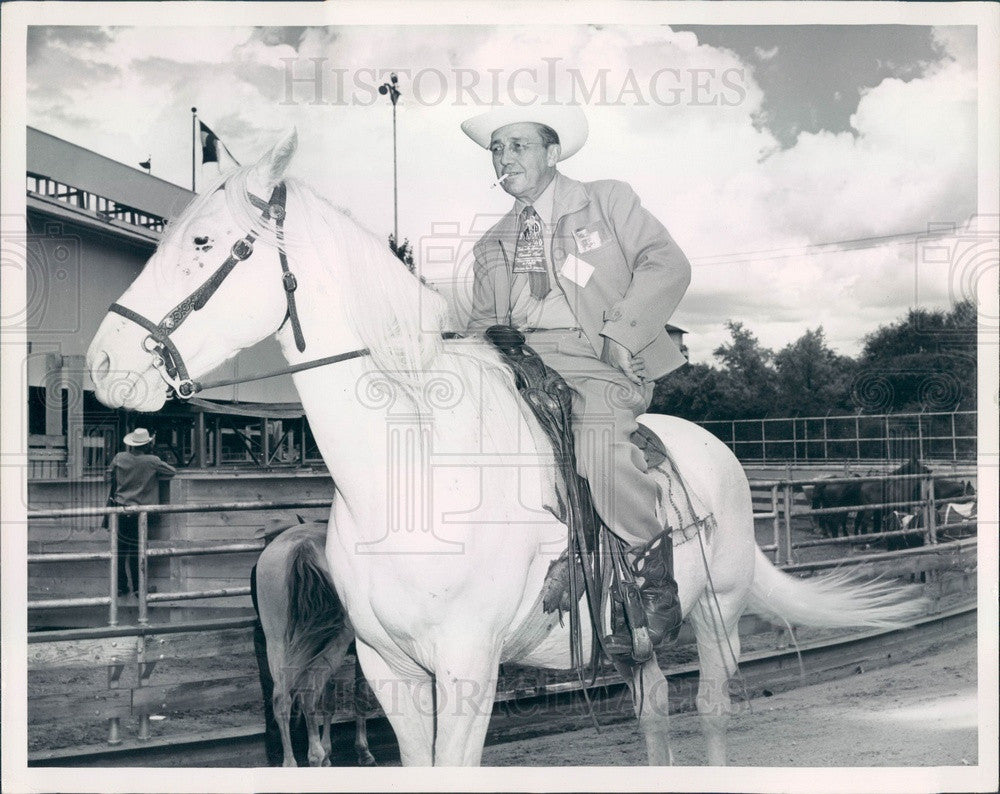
{"x": 784, "y": 512}
{"x": 144, "y": 629}
{"x": 929, "y": 435}
{"x": 104, "y": 208}
{"x": 145, "y": 643}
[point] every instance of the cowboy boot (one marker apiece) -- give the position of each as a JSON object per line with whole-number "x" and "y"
{"x": 653, "y": 565}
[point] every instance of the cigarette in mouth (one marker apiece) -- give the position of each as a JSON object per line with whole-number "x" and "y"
{"x": 499, "y": 181}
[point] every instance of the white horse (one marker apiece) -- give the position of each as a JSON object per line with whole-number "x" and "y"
{"x": 439, "y": 540}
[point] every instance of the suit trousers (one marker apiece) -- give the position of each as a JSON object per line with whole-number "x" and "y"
{"x": 605, "y": 407}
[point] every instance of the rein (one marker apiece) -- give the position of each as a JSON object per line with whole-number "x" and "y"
{"x": 167, "y": 358}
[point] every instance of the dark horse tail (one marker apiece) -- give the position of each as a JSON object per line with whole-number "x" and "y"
{"x": 315, "y": 615}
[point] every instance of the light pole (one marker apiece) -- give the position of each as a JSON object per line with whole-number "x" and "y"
{"x": 393, "y": 92}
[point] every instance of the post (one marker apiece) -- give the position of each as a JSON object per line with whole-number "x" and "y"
{"x": 302, "y": 440}
{"x": 931, "y": 514}
{"x": 954, "y": 445}
{"x": 217, "y": 457}
{"x": 194, "y": 146}
{"x": 202, "y": 455}
{"x": 143, "y": 568}
{"x": 113, "y": 568}
{"x": 788, "y": 523}
{"x": 395, "y": 181}
{"x": 53, "y": 395}
{"x": 776, "y": 523}
{"x": 144, "y": 671}
{"x": 888, "y": 448}
{"x": 265, "y": 445}
{"x": 72, "y": 375}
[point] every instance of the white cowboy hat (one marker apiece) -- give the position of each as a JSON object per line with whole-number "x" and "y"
{"x": 138, "y": 438}
{"x": 567, "y": 120}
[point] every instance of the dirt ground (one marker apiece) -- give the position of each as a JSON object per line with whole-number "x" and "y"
{"x": 923, "y": 713}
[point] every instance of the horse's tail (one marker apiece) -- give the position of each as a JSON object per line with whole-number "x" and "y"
{"x": 315, "y": 615}
{"x": 836, "y": 600}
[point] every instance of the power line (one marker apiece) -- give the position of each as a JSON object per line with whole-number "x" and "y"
{"x": 850, "y": 244}
{"x": 811, "y": 249}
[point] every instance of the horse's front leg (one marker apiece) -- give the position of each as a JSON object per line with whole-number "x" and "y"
{"x": 465, "y": 679}
{"x": 407, "y": 698}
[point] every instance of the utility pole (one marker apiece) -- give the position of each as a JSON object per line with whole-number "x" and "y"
{"x": 393, "y": 92}
{"x": 194, "y": 144}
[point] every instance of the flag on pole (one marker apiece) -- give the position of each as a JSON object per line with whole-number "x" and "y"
{"x": 212, "y": 147}
{"x": 147, "y": 163}
{"x": 209, "y": 144}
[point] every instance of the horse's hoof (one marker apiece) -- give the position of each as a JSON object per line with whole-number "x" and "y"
{"x": 325, "y": 761}
{"x": 642, "y": 646}
{"x": 367, "y": 759}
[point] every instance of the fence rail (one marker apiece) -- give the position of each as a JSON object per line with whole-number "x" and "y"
{"x": 928, "y": 436}
{"x": 143, "y": 643}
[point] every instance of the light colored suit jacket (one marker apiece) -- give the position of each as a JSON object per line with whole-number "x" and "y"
{"x": 637, "y": 279}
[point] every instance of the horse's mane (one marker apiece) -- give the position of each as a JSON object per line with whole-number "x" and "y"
{"x": 395, "y": 316}
{"x": 399, "y": 319}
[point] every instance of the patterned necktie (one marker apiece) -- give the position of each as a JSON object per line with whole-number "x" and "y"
{"x": 529, "y": 256}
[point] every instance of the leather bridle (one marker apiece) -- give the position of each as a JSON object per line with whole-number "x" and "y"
{"x": 167, "y": 358}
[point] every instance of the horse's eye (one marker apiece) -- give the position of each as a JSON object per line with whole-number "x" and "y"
{"x": 200, "y": 240}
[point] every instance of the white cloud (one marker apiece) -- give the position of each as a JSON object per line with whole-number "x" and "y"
{"x": 720, "y": 184}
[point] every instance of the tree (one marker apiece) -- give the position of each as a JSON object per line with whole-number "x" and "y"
{"x": 404, "y": 252}
{"x": 688, "y": 392}
{"x": 812, "y": 379}
{"x": 926, "y": 361}
{"x": 745, "y": 388}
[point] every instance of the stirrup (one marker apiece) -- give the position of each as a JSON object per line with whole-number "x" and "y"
{"x": 630, "y": 635}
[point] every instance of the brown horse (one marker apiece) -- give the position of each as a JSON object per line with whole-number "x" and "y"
{"x": 298, "y": 547}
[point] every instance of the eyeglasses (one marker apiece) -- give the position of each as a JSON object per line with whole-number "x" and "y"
{"x": 516, "y": 148}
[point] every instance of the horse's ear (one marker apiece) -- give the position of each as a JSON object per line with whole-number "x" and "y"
{"x": 272, "y": 166}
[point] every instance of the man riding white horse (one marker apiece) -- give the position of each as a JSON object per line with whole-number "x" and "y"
{"x": 591, "y": 278}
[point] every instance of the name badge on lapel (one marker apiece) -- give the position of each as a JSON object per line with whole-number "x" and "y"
{"x": 590, "y": 238}
{"x": 577, "y": 271}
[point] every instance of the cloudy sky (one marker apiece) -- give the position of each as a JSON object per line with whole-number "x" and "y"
{"x": 796, "y": 166}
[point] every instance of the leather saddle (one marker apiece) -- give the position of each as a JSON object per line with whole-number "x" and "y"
{"x": 550, "y": 399}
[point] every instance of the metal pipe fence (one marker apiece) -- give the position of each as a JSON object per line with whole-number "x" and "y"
{"x": 782, "y": 516}
{"x": 144, "y": 553}
{"x": 785, "y": 543}
{"x": 803, "y": 439}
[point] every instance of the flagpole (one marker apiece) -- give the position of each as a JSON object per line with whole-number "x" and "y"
{"x": 194, "y": 145}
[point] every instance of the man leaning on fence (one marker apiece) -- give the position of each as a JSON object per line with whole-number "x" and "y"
{"x": 134, "y": 476}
